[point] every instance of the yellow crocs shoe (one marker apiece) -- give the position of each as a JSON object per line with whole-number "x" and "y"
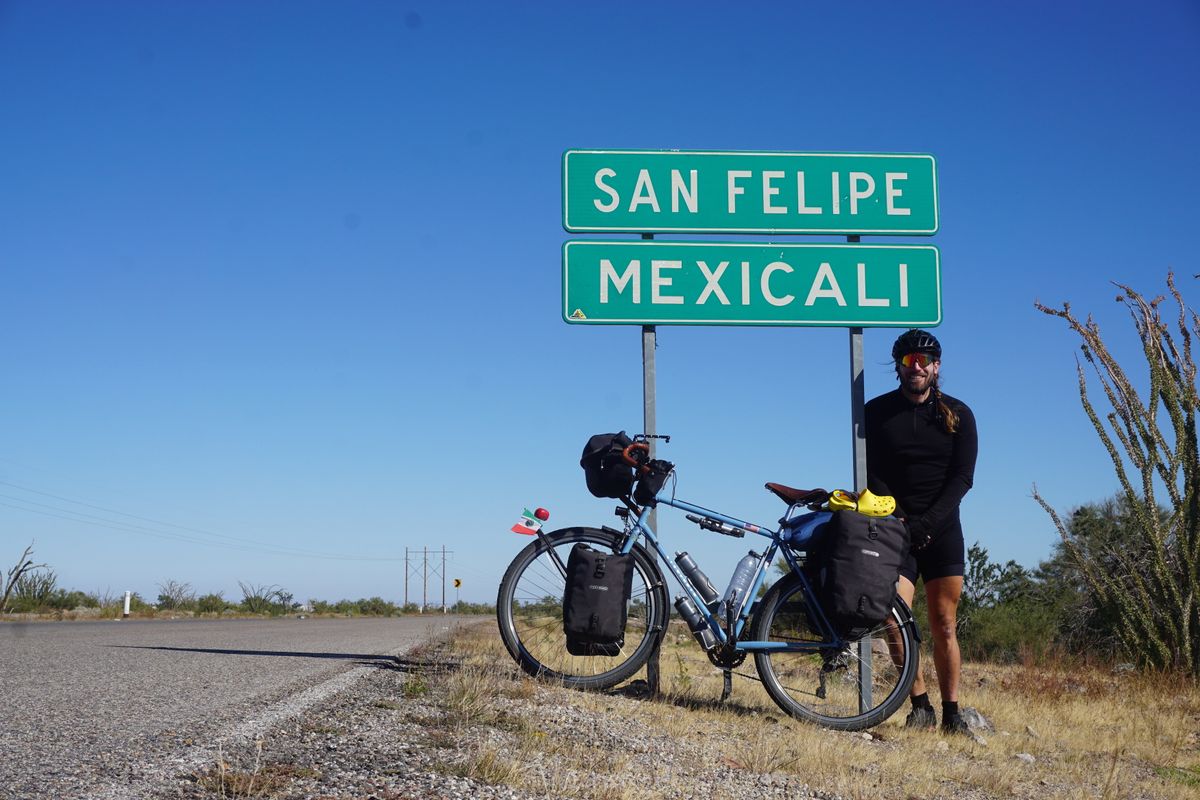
{"x": 841, "y": 500}
{"x": 874, "y": 505}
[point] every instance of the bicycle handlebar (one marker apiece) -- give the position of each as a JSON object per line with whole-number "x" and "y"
{"x": 633, "y": 461}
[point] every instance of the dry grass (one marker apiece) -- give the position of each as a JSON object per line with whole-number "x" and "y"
{"x": 1091, "y": 733}
{"x": 262, "y": 780}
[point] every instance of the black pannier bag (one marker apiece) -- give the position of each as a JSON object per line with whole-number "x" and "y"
{"x": 606, "y": 472}
{"x": 649, "y": 485}
{"x": 595, "y": 604}
{"x": 859, "y": 564}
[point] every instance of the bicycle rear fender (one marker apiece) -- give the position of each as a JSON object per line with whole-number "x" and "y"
{"x": 906, "y": 616}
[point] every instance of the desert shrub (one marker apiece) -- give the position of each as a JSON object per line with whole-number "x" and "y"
{"x": 174, "y": 595}
{"x": 63, "y": 600}
{"x": 214, "y": 603}
{"x": 270, "y": 600}
{"x": 33, "y": 591}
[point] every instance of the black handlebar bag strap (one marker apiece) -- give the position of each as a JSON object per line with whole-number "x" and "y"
{"x": 596, "y": 601}
{"x": 860, "y": 564}
{"x": 606, "y": 472}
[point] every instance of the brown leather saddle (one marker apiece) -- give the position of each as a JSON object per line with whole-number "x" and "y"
{"x": 793, "y": 496}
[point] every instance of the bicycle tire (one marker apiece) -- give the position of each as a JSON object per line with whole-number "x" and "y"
{"x": 822, "y": 686}
{"x": 529, "y": 612}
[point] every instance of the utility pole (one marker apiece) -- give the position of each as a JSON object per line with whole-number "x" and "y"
{"x": 410, "y": 568}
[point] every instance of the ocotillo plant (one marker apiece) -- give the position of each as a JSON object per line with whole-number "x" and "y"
{"x": 1153, "y": 447}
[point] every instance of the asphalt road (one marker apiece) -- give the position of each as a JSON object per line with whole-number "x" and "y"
{"x": 96, "y": 709}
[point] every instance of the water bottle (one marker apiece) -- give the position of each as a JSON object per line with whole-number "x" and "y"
{"x": 691, "y": 615}
{"x": 739, "y": 584}
{"x": 697, "y": 578}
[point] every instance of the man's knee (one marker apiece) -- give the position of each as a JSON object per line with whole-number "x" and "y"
{"x": 943, "y": 621}
{"x": 944, "y": 629}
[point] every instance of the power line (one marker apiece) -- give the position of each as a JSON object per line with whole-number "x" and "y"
{"x": 231, "y": 542}
{"x": 425, "y": 569}
{"x": 124, "y": 514}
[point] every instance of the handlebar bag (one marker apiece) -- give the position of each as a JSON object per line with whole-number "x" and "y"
{"x": 596, "y": 601}
{"x": 860, "y": 560}
{"x": 606, "y": 472}
{"x": 650, "y": 484}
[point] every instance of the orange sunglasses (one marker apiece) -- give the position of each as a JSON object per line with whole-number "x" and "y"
{"x": 916, "y": 360}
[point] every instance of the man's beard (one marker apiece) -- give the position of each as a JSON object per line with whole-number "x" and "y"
{"x": 918, "y": 384}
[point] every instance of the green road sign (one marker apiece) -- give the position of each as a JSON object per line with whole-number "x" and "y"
{"x": 748, "y": 192}
{"x": 750, "y": 283}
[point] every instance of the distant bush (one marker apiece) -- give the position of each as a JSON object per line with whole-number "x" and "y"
{"x": 212, "y": 604}
{"x": 270, "y": 600}
{"x": 378, "y": 607}
{"x": 114, "y": 605}
{"x": 138, "y": 604}
{"x": 65, "y": 601}
{"x": 1012, "y": 632}
{"x": 176, "y": 596}
{"x": 463, "y": 607}
{"x": 33, "y": 591}
{"x": 363, "y": 607}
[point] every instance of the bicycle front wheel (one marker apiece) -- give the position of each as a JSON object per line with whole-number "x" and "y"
{"x": 529, "y": 610}
{"x": 850, "y": 688}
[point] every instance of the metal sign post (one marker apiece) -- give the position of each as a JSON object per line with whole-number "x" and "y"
{"x": 650, "y": 427}
{"x": 858, "y": 415}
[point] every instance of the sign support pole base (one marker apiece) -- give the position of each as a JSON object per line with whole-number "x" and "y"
{"x": 649, "y": 427}
{"x": 858, "y": 396}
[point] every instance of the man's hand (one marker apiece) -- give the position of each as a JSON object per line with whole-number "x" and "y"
{"x": 919, "y": 533}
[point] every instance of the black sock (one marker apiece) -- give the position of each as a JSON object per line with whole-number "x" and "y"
{"x": 922, "y": 701}
{"x": 949, "y": 708}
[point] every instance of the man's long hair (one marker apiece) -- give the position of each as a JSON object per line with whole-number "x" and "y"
{"x": 943, "y": 413}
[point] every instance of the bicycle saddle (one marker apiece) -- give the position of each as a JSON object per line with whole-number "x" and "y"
{"x": 792, "y": 496}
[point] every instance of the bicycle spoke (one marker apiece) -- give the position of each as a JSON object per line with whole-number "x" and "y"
{"x": 824, "y": 685}
{"x": 534, "y": 612}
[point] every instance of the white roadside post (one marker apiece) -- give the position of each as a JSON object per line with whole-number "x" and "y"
{"x": 128, "y": 594}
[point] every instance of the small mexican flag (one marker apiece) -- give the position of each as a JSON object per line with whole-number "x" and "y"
{"x": 528, "y": 524}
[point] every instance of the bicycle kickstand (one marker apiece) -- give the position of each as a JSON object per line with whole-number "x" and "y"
{"x": 728, "y": 688}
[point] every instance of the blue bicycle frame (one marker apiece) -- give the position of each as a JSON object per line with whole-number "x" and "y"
{"x": 642, "y": 528}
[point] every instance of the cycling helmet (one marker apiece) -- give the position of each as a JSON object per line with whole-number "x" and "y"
{"x": 916, "y": 341}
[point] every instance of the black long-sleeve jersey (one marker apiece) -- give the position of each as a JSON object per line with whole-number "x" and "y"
{"x": 911, "y": 457}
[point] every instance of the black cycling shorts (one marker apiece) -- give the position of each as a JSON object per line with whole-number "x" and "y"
{"x": 944, "y": 557}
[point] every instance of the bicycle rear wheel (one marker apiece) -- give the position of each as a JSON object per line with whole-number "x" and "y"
{"x": 834, "y": 687}
{"x": 529, "y": 611}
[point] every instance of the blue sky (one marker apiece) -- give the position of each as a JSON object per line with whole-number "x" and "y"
{"x": 286, "y": 276}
